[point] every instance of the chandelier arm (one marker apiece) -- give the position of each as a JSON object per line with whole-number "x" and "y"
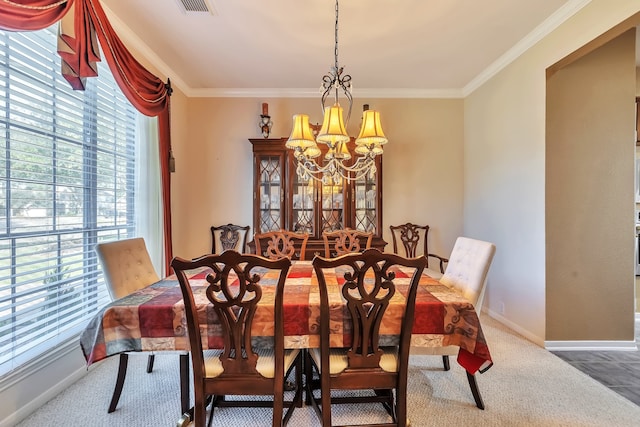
{"x": 313, "y": 169}
{"x": 356, "y": 171}
{"x": 360, "y": 168}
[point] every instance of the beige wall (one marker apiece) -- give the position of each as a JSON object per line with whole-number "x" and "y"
{"x": 422, "y": 164}
{"x": 505, "y": 169}
{"x": 590, "y": 162}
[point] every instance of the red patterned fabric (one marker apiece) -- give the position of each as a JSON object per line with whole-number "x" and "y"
{"x": 31, "y": 15}
{"x": 153, "y": 318}
{"x": 78, "y": 47}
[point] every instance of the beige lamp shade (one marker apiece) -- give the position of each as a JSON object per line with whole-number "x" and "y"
{"x": 312, "y": 152}
{"x": 342, "y": 151}
{"x": 333, "y": 130}
{"x": 301, "y": 135}
{"x": 365, "y": 149}
{"x": 371, "y": 130}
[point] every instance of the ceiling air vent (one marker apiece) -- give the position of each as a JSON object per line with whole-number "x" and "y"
{"x": 195, "y": 6}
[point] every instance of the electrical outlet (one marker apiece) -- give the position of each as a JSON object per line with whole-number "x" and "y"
{"x": 501, "y": 307}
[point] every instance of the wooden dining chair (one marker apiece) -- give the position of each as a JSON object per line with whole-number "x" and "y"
{"x": 229, "y": 236}
{"x": 414, "y": 240}
{"x": 282, "y": 243}
{"x": 240, "y": 367}
{"x": 340, "y": 242}
{"x": 127, "y": 267}
{"x": 467, "y": 273}
{"x": 366, "y": 364}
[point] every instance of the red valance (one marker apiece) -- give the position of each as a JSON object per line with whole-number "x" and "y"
{"x": 30, "y": 15}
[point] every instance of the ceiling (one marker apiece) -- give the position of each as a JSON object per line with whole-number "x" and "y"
{"x": 284, "y": 47}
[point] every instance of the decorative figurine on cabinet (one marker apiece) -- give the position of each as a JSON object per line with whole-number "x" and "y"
{"x": 265, "y": 120}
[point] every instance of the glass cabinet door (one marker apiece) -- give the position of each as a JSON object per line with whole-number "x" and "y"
{"x": 333, "y": 204}
{"x": 304, "y": 197}
{"x": 281, "y": 200}
{"x": 366, "y": 200}
{"x": 270, "y": 196}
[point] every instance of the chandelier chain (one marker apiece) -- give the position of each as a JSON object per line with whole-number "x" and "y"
{"x": 334, "y": 80}
{"x": 335, "y": 50}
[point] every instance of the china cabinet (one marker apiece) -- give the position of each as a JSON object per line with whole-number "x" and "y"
{"x": 281, "y": 200}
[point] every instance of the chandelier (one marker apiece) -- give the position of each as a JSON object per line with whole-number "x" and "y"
{"x": 337, "y": 162}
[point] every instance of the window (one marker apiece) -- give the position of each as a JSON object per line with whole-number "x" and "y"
{"x": 67, "y": 181}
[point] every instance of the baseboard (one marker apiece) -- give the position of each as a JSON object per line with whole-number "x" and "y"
{"x": 517, "y": 328}
{"x": 567, "y": 345}
{"x": 26, "y": 410}
{"x": 591, "y": 345}
{"x": 32, "y": 370}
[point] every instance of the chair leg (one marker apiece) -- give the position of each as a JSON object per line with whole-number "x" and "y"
{"x": 122, "y": 373}
{"x": 210, "y": 423}
{"x": 308, "y": 378}
{"x": 184, "y": 382}
{"x": 389, "y": 403}
{"x": 152, "y": 358}
{"x": 474, "y": 389}
{"x": 445, "y": 362}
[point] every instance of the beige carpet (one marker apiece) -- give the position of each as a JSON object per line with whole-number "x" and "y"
{"x": 527, "y": 386}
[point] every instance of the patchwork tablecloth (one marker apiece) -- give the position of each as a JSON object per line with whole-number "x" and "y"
{"x": 153, "y": 318}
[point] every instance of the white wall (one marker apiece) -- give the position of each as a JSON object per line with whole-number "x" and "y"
{"x": 505, "y": 171}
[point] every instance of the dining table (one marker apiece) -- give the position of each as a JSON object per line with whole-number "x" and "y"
{"x": 153, "y": 319}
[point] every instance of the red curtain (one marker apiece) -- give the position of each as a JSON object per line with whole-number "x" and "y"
{"x": 30, "y": 15}
{"x": 79, "y": 51}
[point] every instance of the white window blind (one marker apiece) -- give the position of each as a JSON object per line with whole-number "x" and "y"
{"x": 67, "y": 171}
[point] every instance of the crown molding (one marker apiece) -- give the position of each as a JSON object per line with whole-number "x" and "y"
{"x": 550, "y": 24}
{"x": 541, "y": 31}
{"x": 314, "y": 93}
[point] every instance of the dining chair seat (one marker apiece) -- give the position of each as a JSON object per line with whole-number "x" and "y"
{"x": 265, "y": 365}
{"x": 339, "y": 361}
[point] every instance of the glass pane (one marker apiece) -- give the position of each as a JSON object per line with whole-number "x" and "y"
{"x": 333, "y": 206}
{"x": 303, "y": 205}
{"x": 366, "y": 200}
{"x": 270, "y": 197}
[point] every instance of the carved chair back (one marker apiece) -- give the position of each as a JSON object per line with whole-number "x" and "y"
{"x": 412, "y": 237}
{"x": 229, "y": 236}
{"x": 234, "y": 291}
{"x": 345, "y": 241}
{"x": 369, "y": 285}
{"x": 282, "y": 243}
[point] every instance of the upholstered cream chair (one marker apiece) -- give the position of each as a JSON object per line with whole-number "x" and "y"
{"x": 467, "y": 272}
{"x": 127, "y": 267}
